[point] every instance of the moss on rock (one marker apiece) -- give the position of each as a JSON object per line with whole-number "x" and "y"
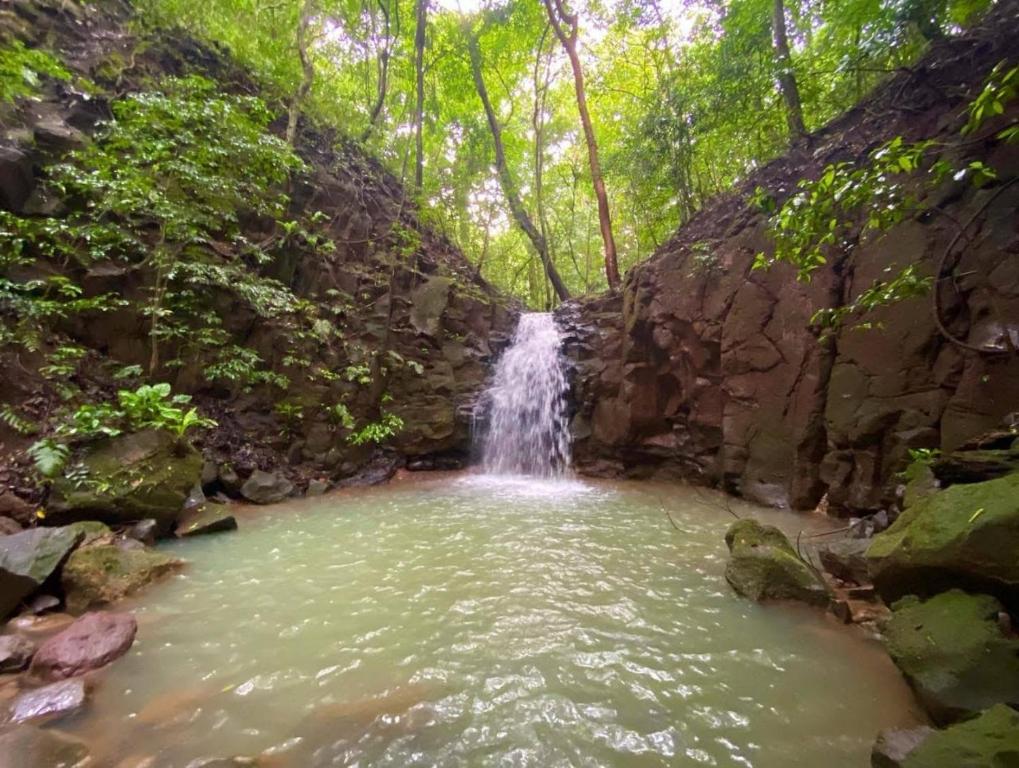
{"x": 966, "y": 535}
{"x": 988, "y": 741}
{"x": 100, "y": 575}
{"x": 764, "y": 566}
{"x": 953, "y": 653}
{"x": 132, "y": 477}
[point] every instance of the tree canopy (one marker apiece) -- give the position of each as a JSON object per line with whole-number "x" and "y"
{"x": 665, "y": 104}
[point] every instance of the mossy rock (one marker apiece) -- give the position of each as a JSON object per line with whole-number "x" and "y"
{"x": 953, "y": 653}
{"x": 764, "y": 566}
{"x": 988, "y": 741}
{"x": 966, "y": 535}
{"x": 128, "y": 478}
{"x": 100, "y": 575}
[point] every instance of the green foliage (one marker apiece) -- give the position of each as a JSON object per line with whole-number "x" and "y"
{"x": 340, "y": 414}
{"x": 22, "y": 70}
{"x": 377, "y": 432}
{"x": 1002, "y": 86}
{"x": 14, "y": 420}
{"x": 152, "y": 406}
{"x": 48, "y": 456}
{"x": 827, "y": 214}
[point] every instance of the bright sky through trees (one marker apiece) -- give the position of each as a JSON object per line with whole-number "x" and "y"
{"x": 684, "y": 98}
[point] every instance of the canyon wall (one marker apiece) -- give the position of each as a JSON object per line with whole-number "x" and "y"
{"x": 703, "y": 368}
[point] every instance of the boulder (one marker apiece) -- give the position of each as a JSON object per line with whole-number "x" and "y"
{"x": 27, "y": 746}
{"x": 206, "y": 520}
{"x": 920, "y": 483}
{"x": 15, "y": 653}
{"x": 91, "y": 642}
{"x": 845, "y": 559}
{"x": 266, "y": 487}
{"x": 988, "y": 741}
{"x": 764, "y": 566}
{"x": 16, "y": 178}
{"x": 38, "y": 705}
{"x": 28, "y": 559}
{"x": 953, "y": 653}
{"x": 132, "y": 477}
{"x": 144, "y": 531}
{"x": 9, "y": 525}
{"x": 428, "y": 302}
{"x": 100, "y": 575}
{"x": 966, "y": 535}
{"x": 975, "y": 466}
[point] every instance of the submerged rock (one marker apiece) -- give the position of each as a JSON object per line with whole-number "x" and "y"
{"x": 988, "y": 741}
{"x": 91, "y": 642}
{"x": 965, "y": 535}
{"x": 27, "y": 746}
{"x": 266, "y": 487}
{"x": 142, "y": 475}
{"x": 953, "y": 653}
{"x": 207, "y": 520}
{"x": 764, "y": 566}
{"x": 49, "y": 702}
{"x": 28, "y": 559}
{"x": 15, "y": 653}
{"x": 100, "y": 575}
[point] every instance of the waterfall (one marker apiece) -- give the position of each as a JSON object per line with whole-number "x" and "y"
{"x": 527, "y": 430}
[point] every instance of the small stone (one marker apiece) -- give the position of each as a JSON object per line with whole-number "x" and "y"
{"x": 207, "y": 521}
{"x": 846, "y": 559}
{"x": 40, "y": 626}
{"x": 9, "y": 526}
{"x": 49, "y": 702}
{"x": 15, "y": 653}
{"x": 91, "y": 642}
{"x": 317, "y": 487}
{"x": 266, "y": 487}
{"x": 895, "y": 745}
{"x": 144, "y": 531}
{"x": 210, "y": 473}
{"x": 42, "y": 603}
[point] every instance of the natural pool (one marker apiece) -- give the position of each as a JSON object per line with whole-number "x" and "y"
{"x": 471, "y": 621}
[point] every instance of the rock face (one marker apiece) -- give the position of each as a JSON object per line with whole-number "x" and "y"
{"x": 964, "y": 535}
{"x": 129, "y": 478}
{"x": 266, "y": 487}
{"x": 988, "y": 741}
{"x": 953, "y": 653}
{"x": 91, "y": 642}
{"x": 27, "y": 746}
{"x": 64, "y": 697}
{"x": 99, "y": 575}
{"x": 706, "y": 369}
{"x": 764, "y": 566}
{"x": 28, "y": 559}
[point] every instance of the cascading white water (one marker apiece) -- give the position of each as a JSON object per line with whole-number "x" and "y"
{"x": 527, "y": 431}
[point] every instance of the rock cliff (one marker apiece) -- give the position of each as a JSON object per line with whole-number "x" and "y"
{"x": 705, "y": 369}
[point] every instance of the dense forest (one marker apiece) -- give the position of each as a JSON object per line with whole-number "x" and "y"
{"x": 552, "y": 141}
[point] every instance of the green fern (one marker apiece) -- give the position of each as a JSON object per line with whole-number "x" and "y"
{"x": 16, "y": 421}
{"x": 49, "y": 456}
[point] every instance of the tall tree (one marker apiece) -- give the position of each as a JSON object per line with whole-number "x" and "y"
{"x": 385, "y": 52}
{"x": 520, "y": 215}
{"x": 566, "y": 25}
{"x": 419, "y": 108}
{"x": 307, "y": 69}
{"x": 786, "y": 77}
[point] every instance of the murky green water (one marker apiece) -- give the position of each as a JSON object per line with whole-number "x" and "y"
{"x": 467, "y": 621}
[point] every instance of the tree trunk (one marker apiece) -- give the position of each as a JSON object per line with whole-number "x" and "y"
{"x": 419, "y": 109}
{"x": 786, "y": 76}
{"x": 558, "y": 17}
{"x": 307, "y": 70}
{"x": 383, "y": 71}
{"x": 509, "y": 189}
